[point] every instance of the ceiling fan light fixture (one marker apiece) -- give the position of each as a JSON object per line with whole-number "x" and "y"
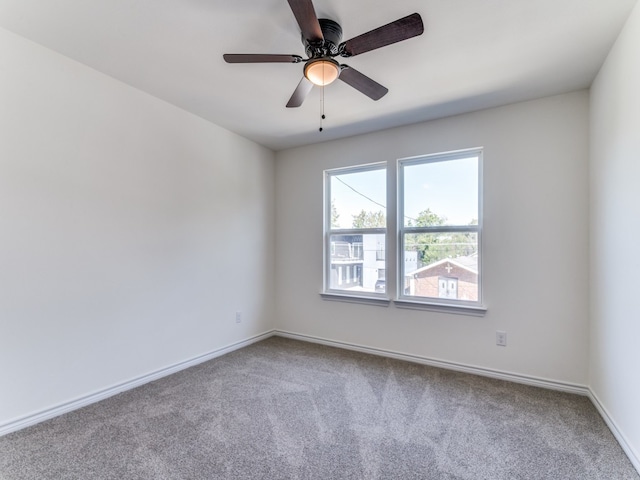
{"x": 322, "y": 71}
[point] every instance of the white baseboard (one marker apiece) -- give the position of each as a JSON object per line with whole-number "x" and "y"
{"x": 459, "y": 367}
{"x": 83, "y": 401}
{"x": 628, "y": 449}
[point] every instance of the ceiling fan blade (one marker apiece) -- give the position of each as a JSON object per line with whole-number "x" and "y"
{"x": 306, "y": 17}
{"x": 301, "y": 92}
{"x": 260, "y": 58}
{"x": 402, "y": 29}
{"x": 362, "y": 83}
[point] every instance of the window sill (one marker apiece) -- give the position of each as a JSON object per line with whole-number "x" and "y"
{"x": 337, "y": 297}
{"x": 442, "y": 307}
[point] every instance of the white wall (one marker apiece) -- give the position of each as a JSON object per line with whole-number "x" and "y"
{"x": 130, "y": 232}
{"x": 615, "y": 235}
{"x": 535, "y": 242}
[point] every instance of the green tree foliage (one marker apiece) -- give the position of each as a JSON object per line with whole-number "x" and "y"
{"x": 369, "y": 220}
{"x": 432, "y": 247}
{"x": 427, "y": 218}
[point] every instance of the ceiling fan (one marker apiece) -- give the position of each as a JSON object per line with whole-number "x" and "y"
{"x": 322, "y": 39}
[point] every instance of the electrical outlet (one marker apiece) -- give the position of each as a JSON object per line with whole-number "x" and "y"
{"x": 501, "y": 338}
{"x": 238, "y": 317}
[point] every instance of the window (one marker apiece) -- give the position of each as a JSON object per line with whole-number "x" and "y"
{"x": 355, "y": 230}
{"x": 438, "y": 223}
{"x": 439, "y": 204}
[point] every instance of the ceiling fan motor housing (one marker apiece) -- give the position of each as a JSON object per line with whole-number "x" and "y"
{"x": 332, "y": 33}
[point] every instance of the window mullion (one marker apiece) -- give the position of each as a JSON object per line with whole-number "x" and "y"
{"x": 441, "y": 228}
{"x": 357, "y": 231}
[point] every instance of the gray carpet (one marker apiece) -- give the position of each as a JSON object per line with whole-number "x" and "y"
{"x": 283, "y": 409}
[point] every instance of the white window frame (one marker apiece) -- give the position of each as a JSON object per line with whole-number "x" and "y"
{"x": 329, "y": 231}
{"x": 409, "y": 301}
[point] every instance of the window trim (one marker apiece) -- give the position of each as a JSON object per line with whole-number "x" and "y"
{"x": 395, "y": 220}
{"x": 328, "y": 231}
{"x": 429, "y": 303}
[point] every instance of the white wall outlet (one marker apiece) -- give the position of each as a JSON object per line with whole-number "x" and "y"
{"x": 501, "y": 338}
{"x": 238, "y": 317}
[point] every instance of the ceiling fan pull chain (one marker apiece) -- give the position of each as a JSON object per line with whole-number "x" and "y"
{"x": 322, "y": 117}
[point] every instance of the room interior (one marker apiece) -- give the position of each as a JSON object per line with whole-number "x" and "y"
{"x": 161, "y": 207}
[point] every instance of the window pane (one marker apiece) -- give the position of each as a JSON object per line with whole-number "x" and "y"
{"x": 358, "y": 199}
{"x": 441, "y": 265}
{"x": 354, "y": 263}
{"x": 441, "y": 193}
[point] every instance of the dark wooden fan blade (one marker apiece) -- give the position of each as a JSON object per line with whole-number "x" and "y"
{"x": 259, "y": 58}
{"x": 402, "y": 29}
{"x": 306, "y": 17}
{"x": 362, "y": 83}
{"x": 301, "y": 92}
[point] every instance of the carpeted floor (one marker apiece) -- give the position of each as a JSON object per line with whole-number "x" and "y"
{"x": 283, "y": 409}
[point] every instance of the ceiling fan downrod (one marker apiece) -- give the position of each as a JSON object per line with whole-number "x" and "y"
{"x": 329, "y": 46}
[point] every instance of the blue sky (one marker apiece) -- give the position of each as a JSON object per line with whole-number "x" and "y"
{"x": 448, "y": 188}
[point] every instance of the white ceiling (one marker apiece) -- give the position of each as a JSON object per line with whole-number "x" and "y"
{"x": 474, "y": 54}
